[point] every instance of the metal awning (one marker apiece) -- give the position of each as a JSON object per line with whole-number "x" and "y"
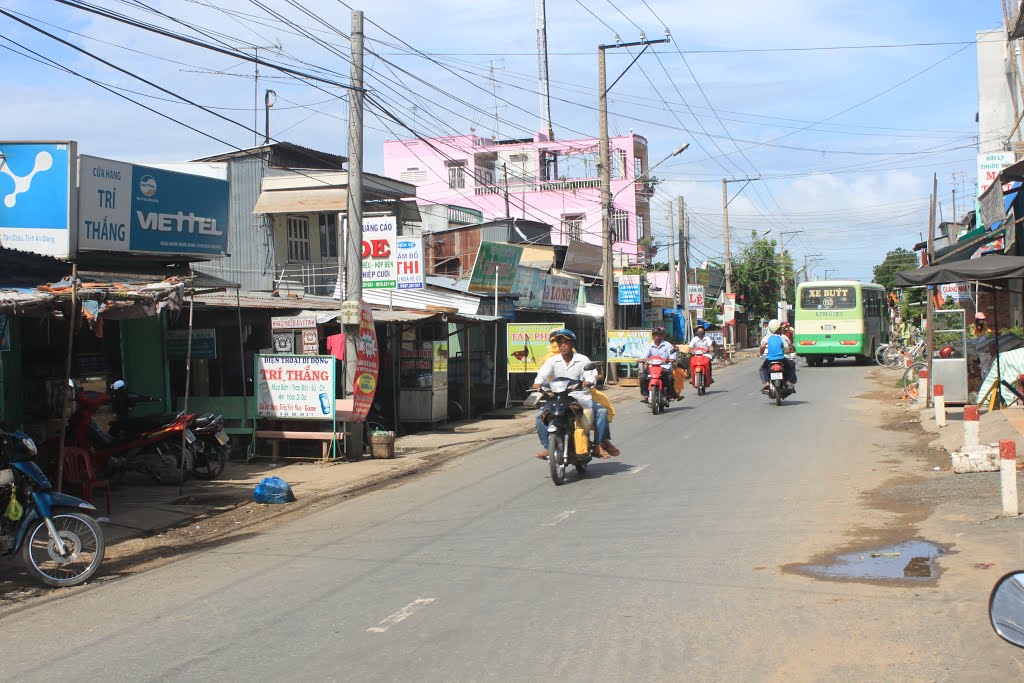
{"x": 302, "y": 201}
{"x": 266, "y": 300}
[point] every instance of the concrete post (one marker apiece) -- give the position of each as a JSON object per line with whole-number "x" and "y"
{"x": 1008, "y": 476}
{"x": 971, "y": 428}
{"x": 940, "y": 405}
{"x": 922, "y": 386}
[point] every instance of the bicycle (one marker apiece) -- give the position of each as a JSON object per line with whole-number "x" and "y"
{"x": 911, "y": 380}
{"x": 896, "y": 356}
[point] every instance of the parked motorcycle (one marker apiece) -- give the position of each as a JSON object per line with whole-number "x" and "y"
{"x": 151, "y": 446}
{"x": 656, "y": 395}
{"x": 571, "y": 426}
{"x": 700, "y": 370}
{"x": 60, "y": 544}
{"x": 778, "y": 389}
{"x": 1006, "y": 608}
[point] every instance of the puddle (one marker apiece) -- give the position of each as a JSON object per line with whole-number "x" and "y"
{"x": 913, "y": 561}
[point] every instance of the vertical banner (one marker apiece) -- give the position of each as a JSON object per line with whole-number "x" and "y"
{"x": 409, "y": 263}
{"x": 379, "y": 237}
{"x": 367, "y": 364}
{"x": 629, "y": 290}
{"x": 729, "y": 310}
{"x": 528, "y": 345}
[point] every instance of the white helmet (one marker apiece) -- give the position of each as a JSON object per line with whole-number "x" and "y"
{"x": 773, "y": 326}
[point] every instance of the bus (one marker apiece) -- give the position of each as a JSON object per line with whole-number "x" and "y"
{"x": 835, "y": 319}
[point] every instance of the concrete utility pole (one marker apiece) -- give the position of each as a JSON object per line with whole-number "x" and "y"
{"x": 606, "y": 183}
{"x": 684, "y": 263}
{"x": 542, "y": 56}
{"x": 782, "y": 267}
{"x": 673, "y": 275}
{"x": 354, "y": 233}
{"x": 930, "y": 344}
{"x": 725, "y": 236}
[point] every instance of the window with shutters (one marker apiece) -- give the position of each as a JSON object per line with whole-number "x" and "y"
{"x": 620, "y": 226}
{"x": 298, "y": 239}
{"x": 456, "y": 174}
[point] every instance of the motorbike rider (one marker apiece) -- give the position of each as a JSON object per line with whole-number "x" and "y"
{"x": 705, "y": 343}
{"x": 777, "y": 346}
{"x": 570, "y": 364}
{"x": 657, "y": 347}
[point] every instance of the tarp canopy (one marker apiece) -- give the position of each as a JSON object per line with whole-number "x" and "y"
{"x": 986, "y": 269}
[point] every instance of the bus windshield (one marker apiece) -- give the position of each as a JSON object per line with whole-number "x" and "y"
{"x": 828, "y": 298}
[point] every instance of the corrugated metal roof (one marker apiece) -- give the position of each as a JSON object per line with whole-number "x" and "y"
{"x": 267, "y": 301}
{"x": 425, "y": 299}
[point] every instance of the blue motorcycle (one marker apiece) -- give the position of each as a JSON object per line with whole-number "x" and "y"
{"x": 60, "y": 545}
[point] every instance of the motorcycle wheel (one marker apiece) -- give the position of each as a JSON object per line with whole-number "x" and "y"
{"x": 167, "y": 476}
{"x": 82, "y": 538}
{"x": 210, "y": 465}
{"x": 700, "y": 383}
{"x": 655, "y": 400}
{"x": 778, "y": 394}
{"x": 556, "y": 458}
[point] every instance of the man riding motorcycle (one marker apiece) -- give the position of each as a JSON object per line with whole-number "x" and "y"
{"x": 706, "y": 344}
{"x": 776, "y": 346}
{"x": 570, "y": 364}
{"x": 662, "y": 349}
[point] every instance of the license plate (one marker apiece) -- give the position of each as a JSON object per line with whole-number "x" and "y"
{"x": 189, "y": 436}
{"x": 828, "y": 328}
{"x": 776, "y": 375}
{"x": 221, "y": 437}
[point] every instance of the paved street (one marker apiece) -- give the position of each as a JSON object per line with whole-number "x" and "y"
{"x": 664, "y": 564}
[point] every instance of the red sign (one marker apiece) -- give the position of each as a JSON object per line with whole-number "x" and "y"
{"x": 364, "y": 385}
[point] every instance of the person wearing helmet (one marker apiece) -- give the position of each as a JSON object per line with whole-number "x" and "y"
{"x": 776, "y": 346}
{"x": 662, "y": 349}
{"x": 701, "y": 341}
{"x": 570, "y": 365}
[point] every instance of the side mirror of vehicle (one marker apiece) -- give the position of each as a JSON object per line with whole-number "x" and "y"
{"x": 118, "y": 385}
{"x": 1006, "y": 608}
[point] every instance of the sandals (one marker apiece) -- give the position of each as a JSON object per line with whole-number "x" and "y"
{"x": 542, "y": 454}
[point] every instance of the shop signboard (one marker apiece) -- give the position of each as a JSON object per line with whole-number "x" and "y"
{"x": 528, "y": 345}
{"x": 36, "y": 184}
{"x": 440, "y": 357}
{"x": 379, "y": 246}
{"x": 204, "y": 344}
{"x": 958, "y": 291}
{"x": 583, "y": 259}
{"x": 716, "y": 337}
{"x": 295, "y": 387}
{"x": 989, "y": 166}
{"x": 560, "y": 293}
{"x": 409, "y": 263}
{"x": 5, "y": 333}
{"x": 293, "y": 323}
{"x": 626, "y": 346}
{"x": 629, "y": 290}
{"x": 310, "y": 343}
{"x": 495, "y": 260}
{"x": 654, "y": 314}
{"x": 529, "y": 285}
{"x": 364, "y": 384}
{"x": 127, "y": 208}
{"x": 695, "y": 296}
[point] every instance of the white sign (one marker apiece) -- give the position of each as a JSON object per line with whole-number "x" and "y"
{"x": 717, "y": 337}
{"x": 379, "y": 237}
{"x": 310, "y": 343}
{"x": 292, "y": 323}
{"x": 295, "y": 387}
{"x": 653, "y": 315}
{"x": 958, "y": 291}
{"x": 409, "y": 263}
{"x": 699, "y": 312}
{"x": 695, "y": 296}
{"x": 989, "y": 166}
{"x": 104, "y": 205}
{"x": 560, "y": 293}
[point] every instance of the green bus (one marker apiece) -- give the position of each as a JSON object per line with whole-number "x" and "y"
{"x": 839, "y": 318}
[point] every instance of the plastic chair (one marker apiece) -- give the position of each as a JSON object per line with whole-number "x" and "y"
{"x": 78, "y": 472}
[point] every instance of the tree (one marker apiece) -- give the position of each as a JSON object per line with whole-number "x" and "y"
{"x": 895, "y": 261}
{"x": 757, "y": 273}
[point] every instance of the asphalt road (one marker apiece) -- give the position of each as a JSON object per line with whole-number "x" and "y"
{"x": 663, "y": 564}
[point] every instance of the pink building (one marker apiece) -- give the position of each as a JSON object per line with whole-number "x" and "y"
{"x": 554, "y": 182}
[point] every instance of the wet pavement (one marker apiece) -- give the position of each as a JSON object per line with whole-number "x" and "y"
{"x": 909, "y": 562}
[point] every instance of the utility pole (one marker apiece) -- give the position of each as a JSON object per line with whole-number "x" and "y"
{"x": 606, "y": 182}
{"x": 782, "y": 267}
{"x": 267, "y": 104}
{"x": 354, "y": 233}
{"x": 542, "y": 56}
{"x": 672, "y": 274}
{"x": 684, "y": 264}
{"x": 725, "y": 236}
{"x": 930, "y": 345}
{"x": 504, "y": 172}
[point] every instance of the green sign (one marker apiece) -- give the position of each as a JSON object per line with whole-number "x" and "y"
{"x": 204, "y": 344}
{"x": 495, "y": 260}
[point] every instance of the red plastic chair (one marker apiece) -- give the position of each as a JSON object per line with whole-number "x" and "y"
{"x": 78, "y": 472}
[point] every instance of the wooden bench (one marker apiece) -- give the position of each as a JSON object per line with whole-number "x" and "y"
{"x": 343, "y": 413}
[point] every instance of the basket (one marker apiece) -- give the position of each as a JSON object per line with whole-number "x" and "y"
{"x": 382, "y": 445}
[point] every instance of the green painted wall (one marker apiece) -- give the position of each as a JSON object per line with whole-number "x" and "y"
{"x": 11, "y": 408}
{"x": 144, "y": 364}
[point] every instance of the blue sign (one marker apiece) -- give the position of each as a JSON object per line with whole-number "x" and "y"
{"x": 629, "y": 290}
{"x": 35, "y": 196}
{"x": 143, "y": 210}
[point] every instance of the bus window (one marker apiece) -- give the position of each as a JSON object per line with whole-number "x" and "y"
{"x": 828, "y": 298}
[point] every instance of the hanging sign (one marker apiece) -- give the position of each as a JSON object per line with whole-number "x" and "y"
{"x": 495, "y": 260}
{"x": 528, "y": 345}
{"x": 695, "y": 296}
{"x": 626, "y": 346}
{"x": 379, "y": 237}
{"x": 409, "y": 263}
{"x": 364, "y": 385}
{"x": 560, "y": 293}
{"x": 295, "y": 387}
{"x": 300, "y": 323}
{"x": 958, "y": 291}
{"x": 310, "y": 343}
{"x": 629, "y": 290}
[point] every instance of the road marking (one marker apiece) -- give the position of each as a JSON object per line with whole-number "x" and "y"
{"x": 637, "y": 469}
{"x": 400, "y": 615}
{"x": 562, "y": 517}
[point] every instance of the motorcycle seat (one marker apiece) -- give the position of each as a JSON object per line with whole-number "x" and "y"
{"x": 204, "y": 420}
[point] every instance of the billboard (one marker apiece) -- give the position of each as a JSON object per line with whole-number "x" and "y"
{"x": 127, "y": 208}
{"x": 495, "y": 260}
{"x": 528, "y": 345}
{"x": 379, "y": 237}
{"x": 560, "y": 293}
{"x": 629, "y": 290}
{"x": 409, "y": 263}
{"x": 36, "y": 183}
{"x": 583, "y": 258}
{"x": 625, "y": 346}
{"x": 989, "y": 166}
{"x": 695, "y": 296}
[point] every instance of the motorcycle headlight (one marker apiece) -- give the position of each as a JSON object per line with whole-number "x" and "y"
{"x": 559, "y": 387}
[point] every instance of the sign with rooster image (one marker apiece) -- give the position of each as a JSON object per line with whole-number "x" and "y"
{"x": 528, "y": 346}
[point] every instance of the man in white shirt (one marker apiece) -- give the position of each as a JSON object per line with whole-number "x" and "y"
{"x": 662, "y": 349}
{"x": 570, "y": 365}
{"x": 705, "y": 343}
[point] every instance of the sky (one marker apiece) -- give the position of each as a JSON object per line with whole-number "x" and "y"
{"x": 844, "y": 111}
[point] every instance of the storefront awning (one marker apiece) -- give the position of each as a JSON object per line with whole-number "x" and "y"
{"x": 331, "y": 199}
{"x": 25, "y": 302}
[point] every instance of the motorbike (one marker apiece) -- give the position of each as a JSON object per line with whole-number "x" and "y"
{"x": 778, "y": 389}
{"x": 657, "y": 396}
{"x": 1006, "y": 608}
{"x": 700, "y": 370}
{"x": 150, "y": 445}
{"x": 570, "y": 424}
{"x": 59, "y": 543}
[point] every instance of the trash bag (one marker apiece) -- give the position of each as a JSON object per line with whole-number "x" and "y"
{"x": 14, "y": 511}
{"x": 273, "y": 490}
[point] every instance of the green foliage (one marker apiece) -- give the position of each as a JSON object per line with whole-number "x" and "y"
{"x": 757, "y": 277}
{"x": 895, "y": 261}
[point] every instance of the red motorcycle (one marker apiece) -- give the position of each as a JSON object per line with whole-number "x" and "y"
{"x": 656, "y": 367}
{"x": 700, "y": 370}
{"x": 151, "y": 446}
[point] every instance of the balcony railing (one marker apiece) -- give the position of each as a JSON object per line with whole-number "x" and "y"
{"x": 542, "y": 186}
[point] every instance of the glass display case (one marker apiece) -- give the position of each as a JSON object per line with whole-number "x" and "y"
{"x": 423, "y": 381}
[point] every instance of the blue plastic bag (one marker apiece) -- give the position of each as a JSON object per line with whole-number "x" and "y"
{"x": 273, "y": 490}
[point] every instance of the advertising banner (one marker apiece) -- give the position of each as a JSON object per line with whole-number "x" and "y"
{"x": 528, "y": 345}
{"x": 379, "y": 237}
{"x": 989, "y": 166}
{"x": 717, "y": 337}
{"x": 560, "y": 293}
{"x": 625, "y": 346}
{"x": 729, "y": 309}
{"x": 440, "y": 357}
{"x": 495, "y": 258}
{"x": 409, "y": 263}
{"x": 142, "y": 210}
{"x": 295, "y": 387}
{"x": 204, "y": 344}
{"x": 529, "y": 285}
{"x": 958, "y": 291}
{"x": 583, "y": 258}
{"x": 36, "y": 181}
{"x": 293, "y": 323}
{"x": 367, "y": 364}
{"x": 695, "y": 296}
{"x": 629, "y": 290}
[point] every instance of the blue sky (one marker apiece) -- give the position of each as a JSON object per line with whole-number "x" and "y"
{"x": 851, "y": 188}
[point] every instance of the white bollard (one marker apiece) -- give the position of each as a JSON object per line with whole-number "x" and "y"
{"x": 1008, "y": 476}
{"x": 972, "y": 431}
{"x": 922, "y": 388}
{"x": 940, "y": 405}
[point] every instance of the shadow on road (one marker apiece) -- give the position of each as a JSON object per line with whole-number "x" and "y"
{"x": 604, "y": 468}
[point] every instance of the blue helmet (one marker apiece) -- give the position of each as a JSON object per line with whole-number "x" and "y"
{"x": 568, "y": 334}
